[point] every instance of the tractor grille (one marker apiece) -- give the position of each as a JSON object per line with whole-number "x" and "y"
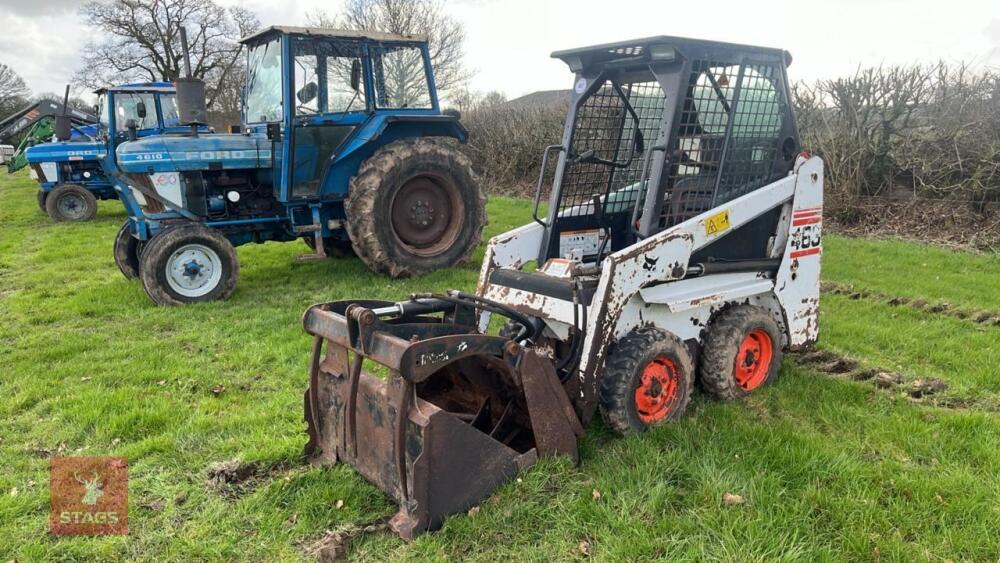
{"x": 604, "y": 125}
{"x": 748, "y": 102}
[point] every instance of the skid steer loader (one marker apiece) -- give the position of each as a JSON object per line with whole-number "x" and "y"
{"x": 681, "y": 244}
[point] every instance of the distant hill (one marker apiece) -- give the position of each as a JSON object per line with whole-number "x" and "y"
{"x": 541, "y": 99}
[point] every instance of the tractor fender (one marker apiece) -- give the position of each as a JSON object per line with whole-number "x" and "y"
{"x": 380, "y": 131}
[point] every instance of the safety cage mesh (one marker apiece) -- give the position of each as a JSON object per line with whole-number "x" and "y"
{"x": 708, "y": 166}
{"x": 725, "y": 139}
{"x": 605, "y": 126}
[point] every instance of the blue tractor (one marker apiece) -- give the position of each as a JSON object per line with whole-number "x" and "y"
{"x": 343, "y": 144}
{"x": 71, "y": 172}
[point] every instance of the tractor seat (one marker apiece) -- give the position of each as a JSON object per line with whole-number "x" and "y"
{"x": 542, "y": 284}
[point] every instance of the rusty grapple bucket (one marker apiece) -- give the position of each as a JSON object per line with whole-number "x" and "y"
{"x": 455, "y": 415}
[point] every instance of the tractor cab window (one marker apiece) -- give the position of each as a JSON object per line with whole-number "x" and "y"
{"x": 138, "y": 107}
{"x": 401, "y": 78}
{"x": 168, "y": 105}
{"x": 263, "y": 84}
{"x": 102, "y": 107}
{"x": 325, "y": 75}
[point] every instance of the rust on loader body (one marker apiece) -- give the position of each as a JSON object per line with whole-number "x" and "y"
{"x": 459, "y": 413}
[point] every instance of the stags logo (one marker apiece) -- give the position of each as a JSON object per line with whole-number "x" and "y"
{"x": 89, "y": 496}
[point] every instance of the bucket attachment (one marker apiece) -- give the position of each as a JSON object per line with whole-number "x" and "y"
{"x": 457, "y": 414}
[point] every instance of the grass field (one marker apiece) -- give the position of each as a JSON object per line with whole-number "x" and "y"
{"x": 829, "y": 468}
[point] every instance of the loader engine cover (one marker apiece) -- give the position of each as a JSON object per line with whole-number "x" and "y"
{"x": 459, "y": 414}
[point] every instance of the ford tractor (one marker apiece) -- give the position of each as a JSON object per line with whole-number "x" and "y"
{"x": 681, "y": 245}
{"x": 342, "y": 144}
{"x": 71, "y": 172}
{"x": 36, "y": 124}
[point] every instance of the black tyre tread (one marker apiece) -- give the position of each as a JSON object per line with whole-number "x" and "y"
{"x": 718, "y": 356}
{"x": 617, "y": 384}
{"x": 42, "y": 195}
{"x": 360, "y": 205}
{"x": 51, "y": 202}
{"x": 126, "y": 252}
{"x": 159, "y": 248}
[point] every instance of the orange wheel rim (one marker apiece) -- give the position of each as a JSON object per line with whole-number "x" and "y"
{"x": 656, "y": 394}
{"x": 753, "y": 359}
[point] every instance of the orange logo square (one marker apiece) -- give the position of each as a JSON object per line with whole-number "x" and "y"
{"x": 89, "y": 496}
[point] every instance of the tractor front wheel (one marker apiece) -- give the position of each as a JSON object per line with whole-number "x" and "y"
{"x": 415, "y": 207}
{"x": 42, "y": 194}
{"x": 188, "y": 264}
{"x": 70, "y": 202}
{"x": 648, "y": 379}
{"x": 127, "y": 251}
{"x": 742, "y": 352}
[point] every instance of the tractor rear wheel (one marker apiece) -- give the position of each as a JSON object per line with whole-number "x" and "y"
{"x": 648, "y": 379}
{"x": 42, "y": 194}
{"x": 70, "y": 202}
{"x": 742, "y": 352}
{"x": 415, "y": 207}
{"x": 127, "y": 251}
{"x": 188, "y": 264}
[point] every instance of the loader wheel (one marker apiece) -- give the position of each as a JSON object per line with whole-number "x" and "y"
{"x": 415, "y": 207}
{"x": 742, "y": 352}
{"x": 69, "y": 202}
{"x": 188, "y": 264}
{"x": 648, "y": 379}
{"x": 42, "y": 194}
{"x": 335, "y": 247}
{"x": 127, "y": 251}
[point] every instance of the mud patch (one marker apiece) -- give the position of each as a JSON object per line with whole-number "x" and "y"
{"x": 235, "y": 478}
{"x": 838, "y": 365}
{"x": 924, "y": 387}
{"x": 335, "y": 544}
{"x": 943, "y": 308}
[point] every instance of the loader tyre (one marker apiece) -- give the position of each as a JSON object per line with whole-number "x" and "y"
{"x": 42, "y": 194}
{"x": 188, "y": 264}
{"x": 414, "y": 207}
{"x": 70, "y": 202}
{"x": 742, "y": 352}
{"x": 335, "y": 247}
{"x": 648, "y": 380}
{"x": 127, "y": 251}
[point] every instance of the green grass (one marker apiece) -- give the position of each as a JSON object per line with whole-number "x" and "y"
{"x": 830, "y": 469}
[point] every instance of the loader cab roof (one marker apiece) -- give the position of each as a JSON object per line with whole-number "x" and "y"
{"x": 661, "y": 48}
{"x": 330, "y": 33}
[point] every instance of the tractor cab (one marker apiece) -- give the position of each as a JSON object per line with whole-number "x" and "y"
{"x": 315, "y": 89}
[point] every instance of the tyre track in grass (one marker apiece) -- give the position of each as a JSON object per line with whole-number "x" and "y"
{"x": 928, "y": 391}
{"x": 982, "y": 317}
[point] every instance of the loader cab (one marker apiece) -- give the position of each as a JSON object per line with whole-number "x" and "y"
{"x": 312, "y": 89}
{"x": 661, "y": 130}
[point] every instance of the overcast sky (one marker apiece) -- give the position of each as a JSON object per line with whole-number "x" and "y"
{"x": 509, "y": 41}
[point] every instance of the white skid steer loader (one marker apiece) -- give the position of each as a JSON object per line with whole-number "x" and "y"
{"x": 682, "y": 243}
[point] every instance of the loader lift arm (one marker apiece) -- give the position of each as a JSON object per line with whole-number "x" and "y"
{"x": 36, "y": 122}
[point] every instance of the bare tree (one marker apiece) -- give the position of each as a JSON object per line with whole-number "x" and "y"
{"x": 140, "y": 40}
{"x": 13, "y": 91}
{"x": 418, "y": 17}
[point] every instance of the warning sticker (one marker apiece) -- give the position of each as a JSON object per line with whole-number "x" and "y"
{"x": 717, "y": 223}
{"x": 577, "y": 244}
